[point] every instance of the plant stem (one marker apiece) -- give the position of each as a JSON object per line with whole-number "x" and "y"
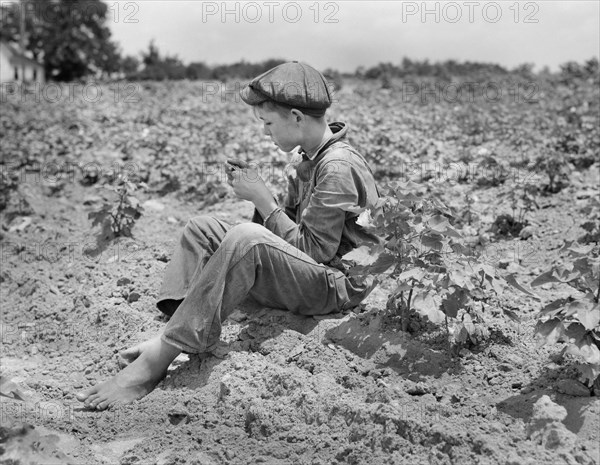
{"x": 447, "y": 333}
{"x": 119, "y": 215}
{"x": 405, "y": 311}
{"x": 598, "y": 291}
{"x": 401, "y": 301}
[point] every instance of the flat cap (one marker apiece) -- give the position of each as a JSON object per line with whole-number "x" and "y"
{"x": 294, "y": 84}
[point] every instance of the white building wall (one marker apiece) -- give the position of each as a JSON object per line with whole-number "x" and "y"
{"x": 14, "y": 71}
{"x": 7, "y": 71}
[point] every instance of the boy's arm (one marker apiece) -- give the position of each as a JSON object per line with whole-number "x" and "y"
{"x": 290, "y": 204}
{"x": 338, "y": 190}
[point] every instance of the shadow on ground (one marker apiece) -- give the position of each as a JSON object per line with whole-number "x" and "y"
{"x": 582, "y": 411}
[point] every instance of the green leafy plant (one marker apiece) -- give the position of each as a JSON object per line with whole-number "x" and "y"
{"x": 557, "y": 168}
{"x": 8, "y": 185}
{"x": 13, "y": 201}
{"x": 493, "y": 172}
{"x": 117, "y": 218}
{"x": 575, "y": 320}
{"x": 469, "y": 215}
{"x": 435, "y": 274}
{"x": 522, "y": 201}
{"x": 591, "y": 210}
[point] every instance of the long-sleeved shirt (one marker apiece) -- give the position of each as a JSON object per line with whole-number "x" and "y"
{"x": 319, "y": 214}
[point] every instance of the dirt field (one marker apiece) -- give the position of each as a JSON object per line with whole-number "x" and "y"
{"x": 282, "y": 389}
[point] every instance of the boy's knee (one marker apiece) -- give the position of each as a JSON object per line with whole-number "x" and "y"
{"x": 246, "y": 232}
{"x": 199, "y": 223}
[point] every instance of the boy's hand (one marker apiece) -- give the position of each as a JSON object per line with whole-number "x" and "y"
{"x": 233, "y": 164}
{"x": 246, "y": 181}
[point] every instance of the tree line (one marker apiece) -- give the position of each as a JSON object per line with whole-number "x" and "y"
{"x": 73, "y": 42}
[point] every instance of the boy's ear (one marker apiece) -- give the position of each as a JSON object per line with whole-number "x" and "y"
{"x": 298, "y": 115}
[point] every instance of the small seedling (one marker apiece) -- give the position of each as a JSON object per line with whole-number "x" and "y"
{"x": 557, "y": 169}
{"x": 522, "y": 201}
{"x": 117, "y": 219}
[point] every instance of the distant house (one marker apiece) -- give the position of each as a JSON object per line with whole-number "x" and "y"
{"x": 17, "y": 67}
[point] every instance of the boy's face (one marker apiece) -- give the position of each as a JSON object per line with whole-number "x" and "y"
{"x": 284, "y": 131}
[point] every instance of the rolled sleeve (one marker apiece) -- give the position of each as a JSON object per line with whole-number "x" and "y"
{"x": 268, "y": 218}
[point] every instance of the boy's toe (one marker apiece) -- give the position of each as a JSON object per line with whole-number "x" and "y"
{"x": 92, "y": 401}
{"x": 84, "y": 395}
{"x": 128, "y": 353}
{"x": 103, "y": 405}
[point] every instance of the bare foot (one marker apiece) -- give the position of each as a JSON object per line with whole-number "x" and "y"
{"x": 135, "y": 381}
{"x": 127, "y": 356}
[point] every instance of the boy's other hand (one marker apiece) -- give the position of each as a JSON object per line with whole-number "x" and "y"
{"x": 231, "y": 166}
{"x": 246, "y": 181}
{"x": 238, "y": 163}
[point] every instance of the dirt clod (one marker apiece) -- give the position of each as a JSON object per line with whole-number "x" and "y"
{"x": 133, "y": 297}
{"x": 123, "y": 281}
{"x": 546, "y": 427}
{"x": 418, "y": 389}
{"x": 572, "y": 387}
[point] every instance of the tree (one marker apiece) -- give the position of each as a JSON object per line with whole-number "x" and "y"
{"x": 174, "y": 67}
{"x": 69, "y": 36}
{"x": 525, "y": 70}
{"x": 157, "y": 68}
{"x": 591, "y": 67}
{"x": 129, "y": 65}
{"x": 152, "y": 57}
{"x": 198, "y": 70}
{"x": 334, "y": 78}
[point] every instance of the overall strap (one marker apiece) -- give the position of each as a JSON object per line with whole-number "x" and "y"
{"x": 321, "y": 154}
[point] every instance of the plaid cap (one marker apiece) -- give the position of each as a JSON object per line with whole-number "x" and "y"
{"x": 294, "y": 84}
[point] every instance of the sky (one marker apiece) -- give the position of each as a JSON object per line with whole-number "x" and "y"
{"x": 344, "y": 35}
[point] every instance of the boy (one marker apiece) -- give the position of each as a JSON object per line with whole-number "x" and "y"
{"x": 289, "y": 257}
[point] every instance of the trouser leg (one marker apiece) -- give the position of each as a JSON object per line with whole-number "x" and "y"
{"x": 252, "y": 261}
{"x": 201, "y": 237}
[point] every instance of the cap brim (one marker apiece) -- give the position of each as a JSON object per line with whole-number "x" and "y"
{"x": 252, "y": 97}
